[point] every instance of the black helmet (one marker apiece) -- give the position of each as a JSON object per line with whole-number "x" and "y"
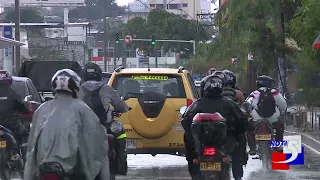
{"x": 222, "y": 76}
{"x": 231, "y": 78}
{"x": 5, "y": 77}
{"x": 92, "y": 72}
{"x": 66, "y": 80}
{"x": 211, "y": 86}
{"x": 264, "y": 81}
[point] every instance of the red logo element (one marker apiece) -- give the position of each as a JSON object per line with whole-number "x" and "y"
{"x": 278, "y": 156}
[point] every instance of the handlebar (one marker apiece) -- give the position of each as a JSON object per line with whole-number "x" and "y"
{"x": 117, "y": 113}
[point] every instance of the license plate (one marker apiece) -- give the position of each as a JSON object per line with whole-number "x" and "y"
{"x": 264, "y": 137}
{"x": 3, "y": 144}
{"x": 210, "y": 166}
{"x": 131, "y": 144}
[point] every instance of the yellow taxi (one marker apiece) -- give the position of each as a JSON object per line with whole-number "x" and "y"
{"x": 155, "y": 96}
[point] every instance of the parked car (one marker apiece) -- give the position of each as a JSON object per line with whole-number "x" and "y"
{"x": 24, "y": 87}
{"x": 197, "y": 83}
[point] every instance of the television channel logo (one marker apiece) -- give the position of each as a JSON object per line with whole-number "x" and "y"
{"x": 293, "y": 153}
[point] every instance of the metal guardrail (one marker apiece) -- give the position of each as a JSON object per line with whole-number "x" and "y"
{"x": 303, "y": 118}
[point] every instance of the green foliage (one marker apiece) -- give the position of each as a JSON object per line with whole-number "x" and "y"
{"x": 27, "y": 15}
{"x": 166, "y": 25}
{"x": 95, "y": 10}
{"x": 304, "y": 28}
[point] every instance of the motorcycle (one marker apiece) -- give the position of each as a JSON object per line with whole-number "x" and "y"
{"x": 264, "y": 134}
{"x": 209, "y": 132}
{"x": 12, "y": 151}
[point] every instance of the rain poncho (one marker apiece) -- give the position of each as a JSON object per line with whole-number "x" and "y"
{"x": 67, "y": 131}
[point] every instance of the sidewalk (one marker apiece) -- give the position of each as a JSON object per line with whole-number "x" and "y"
{"x": 311, "y": 139}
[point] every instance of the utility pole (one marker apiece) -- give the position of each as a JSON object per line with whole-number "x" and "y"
{"x": 116, "y": 47}
{"x": 17, "y": 34}
{"x": 282, "y": 64}
{"x": 105, "y": 36}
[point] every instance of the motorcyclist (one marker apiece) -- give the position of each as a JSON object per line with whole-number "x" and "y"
{"x": 11, "y": 105}
{"x": 230, "y": 90}
{"x": 65, "y": 130}
{"x": 212, "y": 101}
{"x": 263, "y": 84}
{"x": 99, "y": 96}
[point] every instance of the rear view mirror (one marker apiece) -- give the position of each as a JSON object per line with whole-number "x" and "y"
{"x": 125, "y": 97}
{"x": 183, "y": 110}
{"x": 27, "y": 98}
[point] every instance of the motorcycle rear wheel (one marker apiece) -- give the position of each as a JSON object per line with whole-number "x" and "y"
{"x": 265, "y": 154}
{"x": 5, "y": 171}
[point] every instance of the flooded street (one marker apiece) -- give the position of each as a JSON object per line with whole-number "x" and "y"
{"x": 146, "y": 167}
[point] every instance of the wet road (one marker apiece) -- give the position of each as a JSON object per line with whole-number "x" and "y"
{"x": 167, "y": 167}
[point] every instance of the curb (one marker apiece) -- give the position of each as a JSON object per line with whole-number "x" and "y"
{"x": 306, "y": 139}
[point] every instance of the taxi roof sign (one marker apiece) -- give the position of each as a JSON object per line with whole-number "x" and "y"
{"x": 164, "y": 78}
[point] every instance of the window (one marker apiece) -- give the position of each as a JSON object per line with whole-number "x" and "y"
{"x": 184, "y": 5}
{"x": 159, "y": 6}
{"x": 193, "y": 86}
{"x": 152, "y": 5}
{"x": 100, "y": 52}
{"x": 173, "y": 6}
{"x": 169, "y": 85}
{"x": 33, "y": 91}
{"x": 20, "y": 88}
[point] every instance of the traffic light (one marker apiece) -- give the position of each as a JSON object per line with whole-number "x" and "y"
{"x": 117, "y": 38}
{"x": 153, "y": 39}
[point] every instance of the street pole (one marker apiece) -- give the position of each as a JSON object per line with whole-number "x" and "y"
{"x": 17, "y": 34}
{"x": 105, "y": 36}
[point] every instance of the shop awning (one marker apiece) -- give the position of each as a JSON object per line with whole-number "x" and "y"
{"x": 6, "y": 43}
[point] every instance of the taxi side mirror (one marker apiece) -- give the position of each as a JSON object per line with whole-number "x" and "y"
{"x": 183, "y": 110}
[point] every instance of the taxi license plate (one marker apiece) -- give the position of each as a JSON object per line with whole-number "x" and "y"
{"x": 131, "y": 144}
{"x": 210, "y": 166}
{"x": 3, "y": 144}
{"x": 264, "y": 137}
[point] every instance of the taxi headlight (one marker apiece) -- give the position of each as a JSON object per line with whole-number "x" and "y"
{"x": 116, "y": 126}
{"x": 1, "y": 133}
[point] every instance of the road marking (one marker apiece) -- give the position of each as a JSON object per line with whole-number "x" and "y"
{"x": 314, "y": 150}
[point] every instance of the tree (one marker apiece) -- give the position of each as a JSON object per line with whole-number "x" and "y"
{"x": 167, "y": 25}
{"x": 95, "y": 9}
{"x": 304, "y": 28}
{"x": 27, "y": 15}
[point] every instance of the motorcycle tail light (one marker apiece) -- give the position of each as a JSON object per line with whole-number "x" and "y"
{"x": 50, "y": 176}
{"x": 32, "y": 109}
{"x": 209, "y": 151}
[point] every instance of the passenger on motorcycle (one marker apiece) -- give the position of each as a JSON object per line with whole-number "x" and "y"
{"x": 230, "y": 90}
{"x": 212, "y": 101}
{"x": 65, "y": 130}
{"x": 266, "y": 103}
{"x": 99, "y": 96}
{"x": 240, "y": 157}
{"x": 11, "y": 105}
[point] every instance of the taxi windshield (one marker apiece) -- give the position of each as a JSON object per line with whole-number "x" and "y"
{"x": 169, "y": 85}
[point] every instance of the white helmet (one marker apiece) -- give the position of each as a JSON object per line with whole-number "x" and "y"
{"x": 66, "y": 80}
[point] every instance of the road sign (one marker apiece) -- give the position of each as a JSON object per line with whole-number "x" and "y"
{"x": 128, "y": 39}
{"x": 140, "y": 53}
{"x": 250, "y": 56}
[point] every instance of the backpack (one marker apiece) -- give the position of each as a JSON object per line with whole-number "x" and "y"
{"x": 230, "y": 93}
{"x": 93, "y": 100}
{"x": 266, "y": 104}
